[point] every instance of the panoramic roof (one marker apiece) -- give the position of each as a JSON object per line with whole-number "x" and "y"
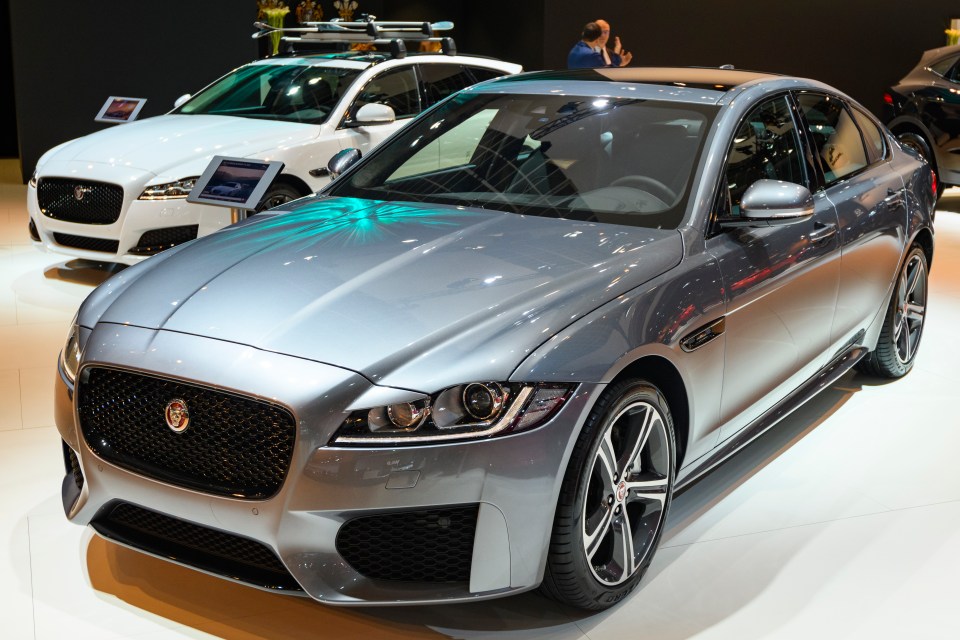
{"x": 691, "y": 77}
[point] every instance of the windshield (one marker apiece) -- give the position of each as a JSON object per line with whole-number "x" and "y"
{"x": 294, "y": 93}
{"x": 622, "y": 161}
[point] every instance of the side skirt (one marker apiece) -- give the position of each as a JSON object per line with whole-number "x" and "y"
{"x": 826, "y": 377}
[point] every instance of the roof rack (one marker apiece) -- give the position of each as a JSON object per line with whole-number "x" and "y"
{"x": 366, "y": 31}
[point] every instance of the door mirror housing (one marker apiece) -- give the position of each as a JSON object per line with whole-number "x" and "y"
{"x": 341, "y": 161}
{"x": 179, "y": 101}
{"x": 768, "y": 203}
{"x": 372, "y": 114}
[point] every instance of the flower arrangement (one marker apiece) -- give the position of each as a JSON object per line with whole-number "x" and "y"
{"x": 309, "y": 11}
{"x": 953, "y": 36}
{"x": 273, "y": 11}
{"x": 345, "y": 8}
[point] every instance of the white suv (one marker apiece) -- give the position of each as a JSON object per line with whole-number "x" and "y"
{"x": 119, "y": 195}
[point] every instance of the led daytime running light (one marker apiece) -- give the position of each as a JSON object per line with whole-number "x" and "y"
{"x": 505, "y": 421}
{"x": 169, "y": 191}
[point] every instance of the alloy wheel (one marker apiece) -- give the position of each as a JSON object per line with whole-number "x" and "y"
{"x": 911, "y": 308}
{"x": 627, "y": 493}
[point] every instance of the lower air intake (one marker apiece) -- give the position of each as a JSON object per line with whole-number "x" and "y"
{"x": 434, "y": 545}
{"x": 194, "y": 545}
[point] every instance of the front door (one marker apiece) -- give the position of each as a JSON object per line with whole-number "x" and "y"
{"x": 780, "y": 282}
{"x": 396, "y": 88}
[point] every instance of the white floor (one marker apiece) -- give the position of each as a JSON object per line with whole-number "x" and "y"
{"x": 842, "y": 522}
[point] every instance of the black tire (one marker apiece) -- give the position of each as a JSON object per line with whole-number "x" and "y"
{"x": 903, "y": 324}
{"x": 919, "y": 144}
{"x": 278, "y": 194}
{"x": 594, "y": 507}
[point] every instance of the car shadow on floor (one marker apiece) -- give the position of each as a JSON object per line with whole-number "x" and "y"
{"x": 716, "y": 485}
{"x": 83, "y": 272}
{"x": 229, "y": 610}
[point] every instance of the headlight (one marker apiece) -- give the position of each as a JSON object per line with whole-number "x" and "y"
{"x": 70, "y": 355}
{"x": 33, "y": 180}
{"x": 169, "y": 191}
{"x": 468, "y": 411}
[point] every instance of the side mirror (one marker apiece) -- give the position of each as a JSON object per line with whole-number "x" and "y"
{"x": 372, "y": 114}
{"x": 179, "y": 101}
{"x": 341, "y": 161}
{"x": 774, "y": 202}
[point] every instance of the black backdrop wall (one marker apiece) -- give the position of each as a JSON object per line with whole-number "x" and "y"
{"x": 858, "y": 46}
{"x": 8, "y": 128}
{"x": 69, "y": 56}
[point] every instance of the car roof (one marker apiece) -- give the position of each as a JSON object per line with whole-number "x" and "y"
{"x": 710, "y": 78}
{"x": 681, "y": 84}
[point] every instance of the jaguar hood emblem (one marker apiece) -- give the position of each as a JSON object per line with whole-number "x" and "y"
{"x": 177, "y": 415}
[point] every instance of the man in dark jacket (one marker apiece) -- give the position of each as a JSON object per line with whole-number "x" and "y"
{"x": 591, "y": 51}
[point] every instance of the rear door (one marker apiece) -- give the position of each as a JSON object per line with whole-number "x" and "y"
{"x": 870, "y": 202}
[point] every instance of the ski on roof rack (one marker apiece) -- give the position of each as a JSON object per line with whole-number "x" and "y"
{"x": 364, "y": 31}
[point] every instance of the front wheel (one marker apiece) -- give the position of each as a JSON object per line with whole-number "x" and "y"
{"x": 614, "y": 498}
{"x": 903, "y": 324}
{"x": 276, "y": 195}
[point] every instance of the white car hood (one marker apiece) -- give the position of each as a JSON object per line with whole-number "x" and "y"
{"x": 157, "y": 145}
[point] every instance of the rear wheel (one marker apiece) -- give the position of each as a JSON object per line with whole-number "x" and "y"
{"x": 614, "y": 498}
{"x": 903, "y": 324}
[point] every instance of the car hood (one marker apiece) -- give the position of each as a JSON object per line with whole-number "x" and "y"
{"x": 162, "y": 143}
{"x": 412, "y": 296}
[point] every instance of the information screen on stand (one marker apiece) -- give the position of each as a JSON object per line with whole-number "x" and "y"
{"x": 238, "y": 183}
{"x": 119, "y": 110}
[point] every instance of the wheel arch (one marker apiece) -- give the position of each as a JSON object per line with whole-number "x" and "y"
{"x": 924, "y": 238}
{"x": 660, "y": 372}
{"x": 909, "y": 125}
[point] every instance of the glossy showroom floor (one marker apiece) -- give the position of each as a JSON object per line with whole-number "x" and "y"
{"x": 843, "y": 522}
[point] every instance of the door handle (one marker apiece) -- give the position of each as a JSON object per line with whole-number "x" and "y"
{"x": 822, "y": 232}
{"x": 894, "y": 196}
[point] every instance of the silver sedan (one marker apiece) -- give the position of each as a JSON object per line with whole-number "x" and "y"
{"x": 487, "y": 355}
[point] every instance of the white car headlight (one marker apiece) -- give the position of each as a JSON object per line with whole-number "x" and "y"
{"x": 468, "y": 411}
{"x": 170, "y": 190}
{"x": 70, "y": 354}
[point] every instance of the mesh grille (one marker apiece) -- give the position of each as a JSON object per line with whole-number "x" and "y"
{"x": 99, "y": 203}
{"x": 88, "y": 244}
{"x": 157, "y": 240}
{"x": 233, "y": 446}
{"x": 195, "y": 545}
{"x": 72, "y": 465}
{"x": 412, "y": 546}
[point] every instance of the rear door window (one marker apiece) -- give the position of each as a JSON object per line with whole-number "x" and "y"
{"x": 835, "y": 136}
{"x": 396, "y": 88}
{"x": 871, "y": 135}
{"x": 481, "y": 74}
{"x": 442, "y": 80}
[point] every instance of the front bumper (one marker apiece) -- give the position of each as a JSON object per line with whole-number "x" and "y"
{"x": 143, "y": 225}
{"x": 512, "y": 481}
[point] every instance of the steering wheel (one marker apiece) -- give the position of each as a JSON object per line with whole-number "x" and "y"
{"x": 650, "y": 185}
